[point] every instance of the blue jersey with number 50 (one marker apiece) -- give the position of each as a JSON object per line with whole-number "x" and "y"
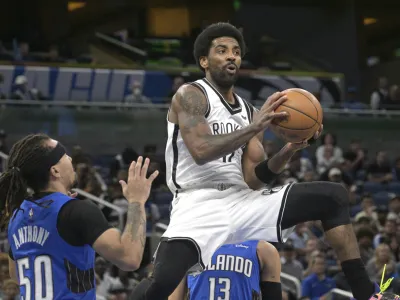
{"x": 234, "y": 273}
{"x": 47, "y": 266}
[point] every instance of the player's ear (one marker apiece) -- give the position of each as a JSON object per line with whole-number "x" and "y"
{"x": 204, "y": 62}
{"x": 54, "y": 171}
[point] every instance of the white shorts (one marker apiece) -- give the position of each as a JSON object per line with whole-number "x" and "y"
{"x": 211, "y": 218}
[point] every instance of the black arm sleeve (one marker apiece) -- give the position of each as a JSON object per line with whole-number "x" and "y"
{"x": 271, "y": 290}
{"x": 81, "y": 222}
{"x": 264, "y": 174}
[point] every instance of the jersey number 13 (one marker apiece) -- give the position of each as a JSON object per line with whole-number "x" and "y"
{"x": 223, "y": 291}
{"x": 40, "y": 277}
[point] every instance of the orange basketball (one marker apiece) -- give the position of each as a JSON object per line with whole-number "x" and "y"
{"x": 305, "y": 116}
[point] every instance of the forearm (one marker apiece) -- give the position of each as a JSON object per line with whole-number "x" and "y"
{"x": 133, "y": 238}
{"x": 278, "y": 162}
{"x": 213, "y": 147}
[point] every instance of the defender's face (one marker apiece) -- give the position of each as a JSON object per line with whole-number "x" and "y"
{"x": 223, "y": 61}
{"x": 65, "y": 169}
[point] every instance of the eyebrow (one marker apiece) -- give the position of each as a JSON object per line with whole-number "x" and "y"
{"x": 225, "y": 46}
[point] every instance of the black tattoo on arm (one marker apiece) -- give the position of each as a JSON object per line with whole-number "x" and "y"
{"x": 196, "y": 131}
{"x": 136, "y": 223}
{"x": 194, "y": 105}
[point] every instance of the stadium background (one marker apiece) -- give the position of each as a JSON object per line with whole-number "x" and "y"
{"x": 98, "y": 76}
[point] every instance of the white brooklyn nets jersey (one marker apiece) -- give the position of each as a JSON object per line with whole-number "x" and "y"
{"x": 182, "y": 171}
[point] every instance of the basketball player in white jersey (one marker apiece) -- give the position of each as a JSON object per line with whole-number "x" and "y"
{"x": 216, "y": 168}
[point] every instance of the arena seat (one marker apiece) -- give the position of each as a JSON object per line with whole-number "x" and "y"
{"x": 373, "y": 187}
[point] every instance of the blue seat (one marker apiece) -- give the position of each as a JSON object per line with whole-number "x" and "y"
{"x": 355, "y": 209}
{"x": 373, "y": 187}
{"x": 382, "y": 198}
{"x": 394, "y": 187}
{"x": 361, "y": 175}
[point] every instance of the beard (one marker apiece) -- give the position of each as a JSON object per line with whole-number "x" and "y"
{"x": 222, "y": 78}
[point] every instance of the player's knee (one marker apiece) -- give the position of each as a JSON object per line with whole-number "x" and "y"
{"x": 338, "y": 193}
{"x": 338, "y": 212}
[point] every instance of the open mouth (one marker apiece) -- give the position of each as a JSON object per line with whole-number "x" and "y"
{"x": 231, "y": 69}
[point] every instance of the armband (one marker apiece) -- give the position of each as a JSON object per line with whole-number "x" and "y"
{"x": 264, "y": 174}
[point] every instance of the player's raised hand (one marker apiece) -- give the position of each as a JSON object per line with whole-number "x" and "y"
{"x": 137, "y": 188}
{"x": 267, "y": 112}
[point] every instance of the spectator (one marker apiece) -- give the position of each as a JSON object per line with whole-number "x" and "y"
{"x": 118, "y": 294}
{"x": 98, "y": 288}
{"x": 376, "y": 264}
{"x": 23, "y": 53}
{"x": 78, "y": 156}
{"x": 10, "y": 290}
{"x": 336, "y": 175}
{"x": 380, "y": 171}
{"x": 379, "y": 96}
{"x": 396, "y": 169}
{"x": 389, "y": 230}
{"x": 177, "y": 83}
{"x": 312, "y": 249}
{"x": 355, "y": 156}
{"x": 317, "y": 285}
{"x": 106, "y": 281}
{"x": 22, "y": 91}
{"x": 299, "y": 238}
{"x": 290, "y": 264}
{"x": 368, "y": 210}
{"x": 136, "y": 95}
{"x": 122, "y": 161}
{"x": 125, "y": 281}
{"x": 394, "y": 208}
{"x": 365, "y": 237}
{"x": 395, "y": 246}
{"x": 54, "y": 56}
{"x": 309, "y": 176}
{"x": 299, "y": 165}
{"x": 393, "y": 99}
{"x": 333, "y": 155}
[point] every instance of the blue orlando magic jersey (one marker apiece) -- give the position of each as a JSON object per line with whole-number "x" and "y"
{"x": 234, "y": 274}
{"x": 47, "y": 266}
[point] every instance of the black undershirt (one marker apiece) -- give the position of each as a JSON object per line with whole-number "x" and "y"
{"x": 79, "y": 223}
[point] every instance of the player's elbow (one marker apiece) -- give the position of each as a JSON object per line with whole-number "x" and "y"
{"x": 200, "y": 156}
{"x": 129, "y": 264}
{"x": 128, "y": 261}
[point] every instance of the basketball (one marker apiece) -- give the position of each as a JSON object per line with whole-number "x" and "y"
{"x": 305, "y": 116}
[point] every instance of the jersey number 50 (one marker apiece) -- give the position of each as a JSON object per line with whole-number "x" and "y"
{"x": 41, "y": 276}
{"x": 224, "y": 290}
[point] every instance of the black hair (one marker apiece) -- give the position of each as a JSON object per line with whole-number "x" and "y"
{"x": 23, "y": 171}
{"x": 365, "y": 232}
{"x": 212, "y": 32}
{"x": 333, "y": 138}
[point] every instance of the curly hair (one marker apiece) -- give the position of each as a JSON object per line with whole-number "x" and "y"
{"x": 203, "y": 41}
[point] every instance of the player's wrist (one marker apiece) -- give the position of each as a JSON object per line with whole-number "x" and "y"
{"x": 134, "y": 202}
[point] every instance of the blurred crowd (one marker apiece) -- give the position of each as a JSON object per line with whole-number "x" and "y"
{"x": 19, "y": 52}
{"x": 372, "y": 179}
{"x": 373, "y": 182}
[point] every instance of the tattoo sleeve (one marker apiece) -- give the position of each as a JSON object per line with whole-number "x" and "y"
{"x": 135, "y": 228}
{"x": 196, "y": 131}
